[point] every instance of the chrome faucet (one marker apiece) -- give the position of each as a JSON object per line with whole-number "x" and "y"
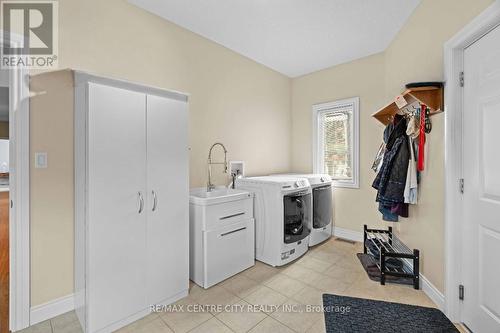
{"x": 211, "y": 186}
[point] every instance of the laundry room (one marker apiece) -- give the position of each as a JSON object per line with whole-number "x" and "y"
{"x": 249, "y": 166}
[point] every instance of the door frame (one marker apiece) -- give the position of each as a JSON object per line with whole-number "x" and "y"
{"x": 454, "y": 223}
{"x": 19, "y": 193}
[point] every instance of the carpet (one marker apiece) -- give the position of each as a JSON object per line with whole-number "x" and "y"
{"x": 352, "y": 315}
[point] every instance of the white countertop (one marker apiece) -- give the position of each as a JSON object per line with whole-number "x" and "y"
{"x": 4, "y": 188}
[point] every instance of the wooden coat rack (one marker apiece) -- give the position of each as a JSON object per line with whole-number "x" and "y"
{"x": 430, "y": 96}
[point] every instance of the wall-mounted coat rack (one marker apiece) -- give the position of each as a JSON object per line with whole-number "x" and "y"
{"x": 431, "y": 96}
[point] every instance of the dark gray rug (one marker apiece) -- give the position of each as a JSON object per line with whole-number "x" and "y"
{"x": 352, "y": 315}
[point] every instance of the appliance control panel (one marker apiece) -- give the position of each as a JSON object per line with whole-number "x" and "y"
{"x": 300, "y": 183}
{"x": 296, "y": 184}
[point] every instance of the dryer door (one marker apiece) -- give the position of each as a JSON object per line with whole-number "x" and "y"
{"x": 322, "y": 206}
{"x": 297, "y": 216}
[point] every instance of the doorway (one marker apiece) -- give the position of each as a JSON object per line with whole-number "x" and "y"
{"x": 4, "y": 202}
{"x": 17, "y": 209}
{"x": 481, "y": 163}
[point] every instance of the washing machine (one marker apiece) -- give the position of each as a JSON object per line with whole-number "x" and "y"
{"x": 283, "y": 215}
{"x": 322, "y": 192}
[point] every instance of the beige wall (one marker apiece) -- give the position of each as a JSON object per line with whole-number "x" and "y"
{"x": 51, "y": 189}
{"x": 426, "y": 227}
{"x": 363, "y": 78}
{"x": 416, "y": 54}
{"x": 232, "y": 99}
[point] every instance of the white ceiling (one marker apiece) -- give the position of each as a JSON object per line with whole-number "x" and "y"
{"x": 293, "y": 37}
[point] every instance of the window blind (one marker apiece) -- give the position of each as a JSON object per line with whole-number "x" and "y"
{"x": 336, "y": 128}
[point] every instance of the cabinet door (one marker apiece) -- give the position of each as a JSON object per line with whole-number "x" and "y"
{"x": 116, "y": 229}
{"x": 228, "y": 251}
{"x": 168, "y": 191}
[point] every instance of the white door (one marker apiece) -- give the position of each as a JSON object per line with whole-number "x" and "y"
{"x": 117, "y": 226}
{"x": 168, "y": 190}
{"x": 481, "y": 246}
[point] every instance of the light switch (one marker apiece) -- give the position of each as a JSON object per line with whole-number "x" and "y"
{"x": 40, "y": 160}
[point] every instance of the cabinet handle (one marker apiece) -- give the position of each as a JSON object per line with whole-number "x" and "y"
{"x": 232, "y": 232}
{"x": 229, "y": 216}
{"x": 155, "y": 201}
{"x": 141, "y": 202}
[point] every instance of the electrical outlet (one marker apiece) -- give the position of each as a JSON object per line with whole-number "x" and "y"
{"x": 40, "y": 160}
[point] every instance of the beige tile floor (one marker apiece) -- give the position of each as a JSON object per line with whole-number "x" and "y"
{"x": 331, "y": 267}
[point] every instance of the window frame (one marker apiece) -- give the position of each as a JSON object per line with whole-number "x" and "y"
{"x": 319, "y": 110}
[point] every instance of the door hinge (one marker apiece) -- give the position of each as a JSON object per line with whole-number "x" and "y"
{"x": 461, "y": 292}
{"x": 462, "y": 79}
{"x": 461, "y": 185}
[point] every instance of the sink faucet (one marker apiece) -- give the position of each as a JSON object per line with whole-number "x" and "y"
{"x": 211, "y": 186}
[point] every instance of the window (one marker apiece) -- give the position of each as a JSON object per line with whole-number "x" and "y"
{"x": 336, "y": 141}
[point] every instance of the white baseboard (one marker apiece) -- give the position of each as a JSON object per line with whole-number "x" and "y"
{"x": 347, "y": 234}
{"x": 430, "y": 290}
{"x": 51, "y": 309}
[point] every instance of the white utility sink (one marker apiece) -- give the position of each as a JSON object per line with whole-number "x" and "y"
{"x": 200, "y": 196}
{"x": 221, "y": 234}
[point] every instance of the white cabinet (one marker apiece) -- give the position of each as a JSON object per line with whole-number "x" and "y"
{"x": 222, "y": 235}
{"x": 131, "y": 201}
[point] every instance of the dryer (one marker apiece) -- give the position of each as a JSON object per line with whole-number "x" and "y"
{"x": 322, "y": 192}
{"x": 283, "y": 215}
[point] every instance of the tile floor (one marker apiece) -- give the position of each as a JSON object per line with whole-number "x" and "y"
{"x": 331, "y": 267}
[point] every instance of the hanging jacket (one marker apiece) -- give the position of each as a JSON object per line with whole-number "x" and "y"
{"x": 391, "y": 179}
{"x": 411, "y": 188}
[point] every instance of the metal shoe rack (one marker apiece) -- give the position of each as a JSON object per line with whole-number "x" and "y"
{"x": 389, "y": 246}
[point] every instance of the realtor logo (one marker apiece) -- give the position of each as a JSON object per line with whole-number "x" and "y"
{"x": 30, "y": 34}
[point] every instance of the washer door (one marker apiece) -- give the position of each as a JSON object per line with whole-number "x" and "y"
{"x": 297, "y": 212}
{"x": 322, "y": 206}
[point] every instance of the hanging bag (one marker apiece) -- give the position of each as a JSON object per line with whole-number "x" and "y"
{"x": 421, "y": 139}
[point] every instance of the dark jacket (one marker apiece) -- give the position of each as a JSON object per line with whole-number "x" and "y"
{"x": 391, "y": 179}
